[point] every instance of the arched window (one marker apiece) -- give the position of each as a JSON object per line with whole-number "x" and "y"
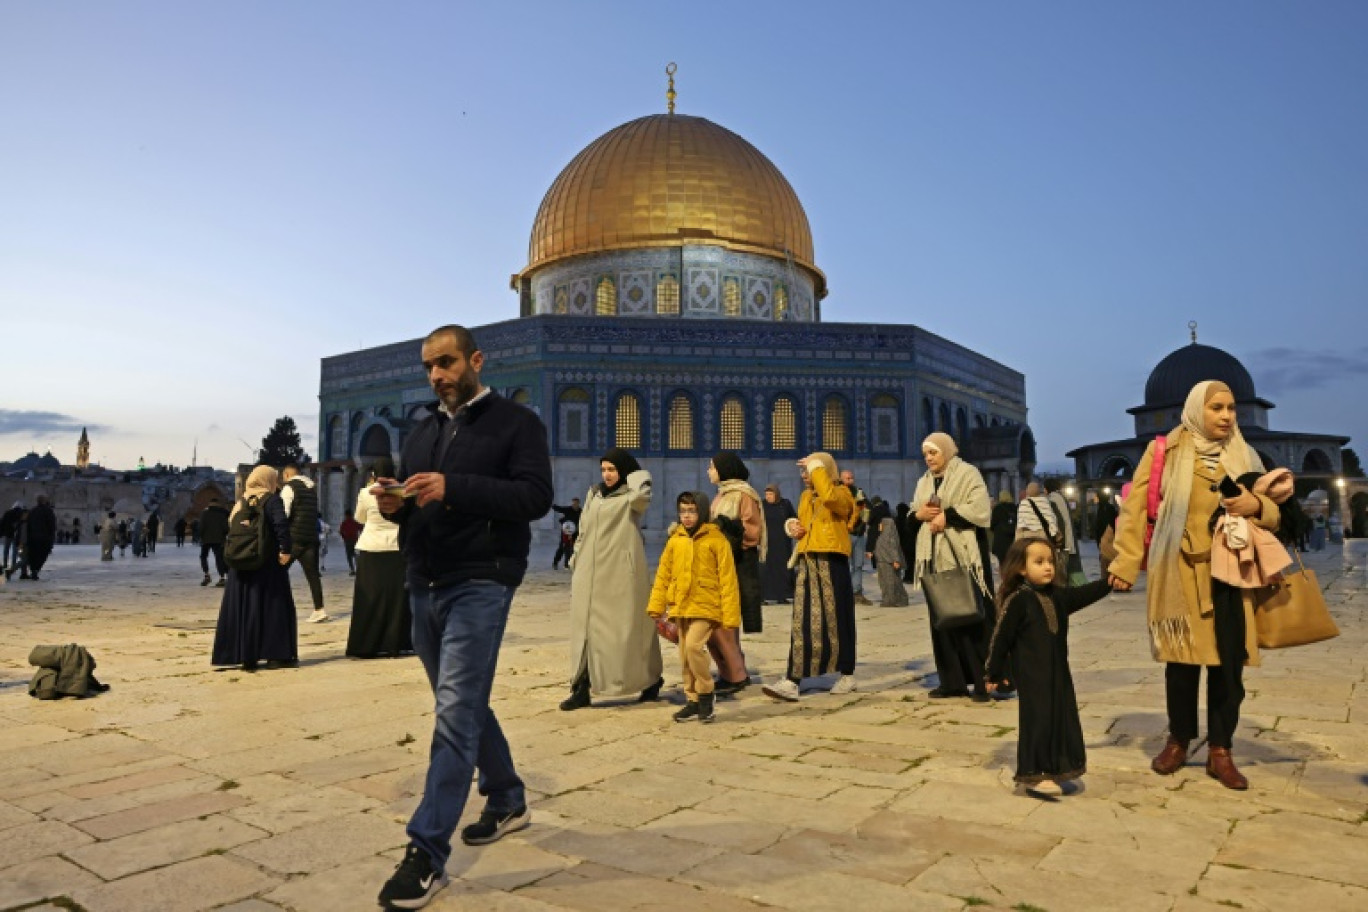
{"x": 627, "y": 422}
{"x": 562, "y": 300}
{"x": 521, "y": 396}
{"x": 834, "y": 425}
{"x": 681, "y": 427}
{"x": 781, "y": 305}
{"x": 928, "y": 421}
{"x": 731, "y": 298}
{"x": 375, "y": 442}
{"x": 943, "y": 424}
{"x": 573, "y": 409}
{"x": 337, "y": 438}
{"x": 733, "y": 423}
{"x": 979, "y": 421}
{"x": 883, "y": 417}
{"x": 605, "y": 298}
{"x": 783, "y": 425}
{"x": 667, "y": 296}
{"x": 961, "y": 426}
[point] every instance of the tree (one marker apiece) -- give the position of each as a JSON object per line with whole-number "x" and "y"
{"x": 281, "y": 447}
{"x": 1352, "y": 467}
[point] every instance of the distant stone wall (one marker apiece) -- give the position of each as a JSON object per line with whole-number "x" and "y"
{"x": 90, "y": 501}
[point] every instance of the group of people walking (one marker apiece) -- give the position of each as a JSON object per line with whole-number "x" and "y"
{"x": 453, "y": 526}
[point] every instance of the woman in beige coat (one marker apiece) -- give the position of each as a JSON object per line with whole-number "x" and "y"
{"x": 613, "y": 644}
{"x": 1195, "y": 621}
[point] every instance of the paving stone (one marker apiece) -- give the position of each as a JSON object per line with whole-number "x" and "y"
{"x": 149, "y": 816}
{"x": 309, "y": 850}
{"x": 1300, "y": 844}
{"x": 42, "y": 878}
{"x": 1267, "y": 891}
{"x": 307, "y": 807}
{"x": 29, "y": 841}
{"x": 163, "y": 846}
{"x": 596, "y": 887}
{"x": 201, "y": 883}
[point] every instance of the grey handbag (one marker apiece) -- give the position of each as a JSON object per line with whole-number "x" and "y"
{"x": 952, "y": 595}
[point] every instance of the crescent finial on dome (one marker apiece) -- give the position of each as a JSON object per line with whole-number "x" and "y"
{"x": 670, "y": 69}
{"x": 1192, "y": 330}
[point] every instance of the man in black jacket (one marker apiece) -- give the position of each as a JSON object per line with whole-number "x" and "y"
{"x": 570, "y": 514}
{"x": 213, "y": 532}
{"x": 477, "y": 472}
{"x": 41, "y": 535}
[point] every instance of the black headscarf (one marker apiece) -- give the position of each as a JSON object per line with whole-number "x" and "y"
{"x": 729, "y": 466}
{"x": 382, "y": 468}
{"x": 624, "y": 462}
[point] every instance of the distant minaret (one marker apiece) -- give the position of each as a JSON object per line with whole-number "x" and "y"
{"x": 83, "y": 451}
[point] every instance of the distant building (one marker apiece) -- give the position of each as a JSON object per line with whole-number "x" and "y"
{"x": 83, "y": 451}
{"x": 1311, "y": 456}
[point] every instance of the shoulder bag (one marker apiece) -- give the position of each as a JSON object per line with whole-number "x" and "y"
{"x": 952, "y": 596}
{"x": 1293, "y": 612}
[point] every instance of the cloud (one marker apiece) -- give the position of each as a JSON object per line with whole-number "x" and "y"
{"x": 42, "y": 424}
{"x": 1285, "y": 370}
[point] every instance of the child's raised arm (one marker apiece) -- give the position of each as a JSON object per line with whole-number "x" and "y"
{"x": 1076, "y": 598}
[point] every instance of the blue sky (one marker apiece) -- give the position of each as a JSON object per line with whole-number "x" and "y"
{"x": 199, "y": 201}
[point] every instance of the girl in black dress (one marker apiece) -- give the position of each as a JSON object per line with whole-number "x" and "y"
{"x": 1030, "y": 647}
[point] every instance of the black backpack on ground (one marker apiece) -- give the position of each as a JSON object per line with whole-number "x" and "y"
{"x": 248, "y": 546}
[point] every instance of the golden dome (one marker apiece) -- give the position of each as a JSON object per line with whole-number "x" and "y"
{"x": 664, "y": 180}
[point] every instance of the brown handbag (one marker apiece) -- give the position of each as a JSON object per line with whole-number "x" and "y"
{"x": 1293, "y": 612}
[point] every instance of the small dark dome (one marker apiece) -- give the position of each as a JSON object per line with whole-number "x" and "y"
{"x": 1175, "y": 376}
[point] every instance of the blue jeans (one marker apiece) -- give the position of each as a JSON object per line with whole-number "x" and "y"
{"x": 456, "y": 632}
{"x": 857, "y": 559}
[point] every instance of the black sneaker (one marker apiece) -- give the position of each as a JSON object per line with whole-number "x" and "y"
{"x": 414, "y": 882}
{"x": 705, "y": 708}
{"x": 493, "y": 826}
{"x": 689, "y": 711}
{"x": 206, "y": 581}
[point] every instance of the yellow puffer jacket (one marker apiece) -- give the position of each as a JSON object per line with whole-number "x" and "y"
{"x": 824, "y": 512}
{"x": 697, "y": 578}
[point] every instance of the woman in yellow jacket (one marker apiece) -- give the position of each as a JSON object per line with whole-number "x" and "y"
{"x": 696, "y": 586}
{"x": 823, "y": 636}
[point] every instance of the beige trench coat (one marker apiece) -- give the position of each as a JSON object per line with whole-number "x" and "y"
{"x": 610, "y": 632}
{"x": 1194, "y": 560}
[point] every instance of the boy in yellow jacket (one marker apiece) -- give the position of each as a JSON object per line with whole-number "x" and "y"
{"x": 696, "y": 586}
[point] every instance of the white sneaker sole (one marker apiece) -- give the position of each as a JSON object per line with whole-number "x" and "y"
{"x": 420, "y": 901}
{"x": 512, "y": 826}
{"x": 778, "y": 695}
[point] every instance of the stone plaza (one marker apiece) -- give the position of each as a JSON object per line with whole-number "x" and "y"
{"x": 188, "y": 788}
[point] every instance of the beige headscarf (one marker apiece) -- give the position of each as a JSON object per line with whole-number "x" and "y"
{"x": 263, "y": 481}
{"x": 942, "y": 443}
{"x": 1167, "y": 605}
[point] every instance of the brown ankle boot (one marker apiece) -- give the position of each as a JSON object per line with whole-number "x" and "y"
{"x": 1221, "y": 767}
{"x": 1171, "y": 758}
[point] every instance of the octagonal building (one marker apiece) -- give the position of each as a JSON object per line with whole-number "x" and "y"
{"x": 671, "y": 304}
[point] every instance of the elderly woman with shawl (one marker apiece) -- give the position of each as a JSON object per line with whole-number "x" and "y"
{"x": 823, "y": 635}
{"x": 256, "y": 619}
{"x": 952, "y": 503}
{"x": 1194, "y": 620}
{"x": 614, "y": 650}
{"x": 738, "y": 511}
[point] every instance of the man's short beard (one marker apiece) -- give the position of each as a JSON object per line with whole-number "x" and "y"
{"x": 464, "y": 389}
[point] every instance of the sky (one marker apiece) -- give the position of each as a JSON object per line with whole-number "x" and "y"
{"x": 200, "y": 201}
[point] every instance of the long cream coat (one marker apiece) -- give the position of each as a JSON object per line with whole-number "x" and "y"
{"x": 610, "y": 631}
{"x": 1194, "y": 560}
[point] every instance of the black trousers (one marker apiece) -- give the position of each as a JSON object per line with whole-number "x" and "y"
{"x": 563, "y": 550}
{"x": 350, "y": 548}
{"x": 307, "y": 557}
{"x": 1181, "y": 684}
{"x": 219, "y": 564}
